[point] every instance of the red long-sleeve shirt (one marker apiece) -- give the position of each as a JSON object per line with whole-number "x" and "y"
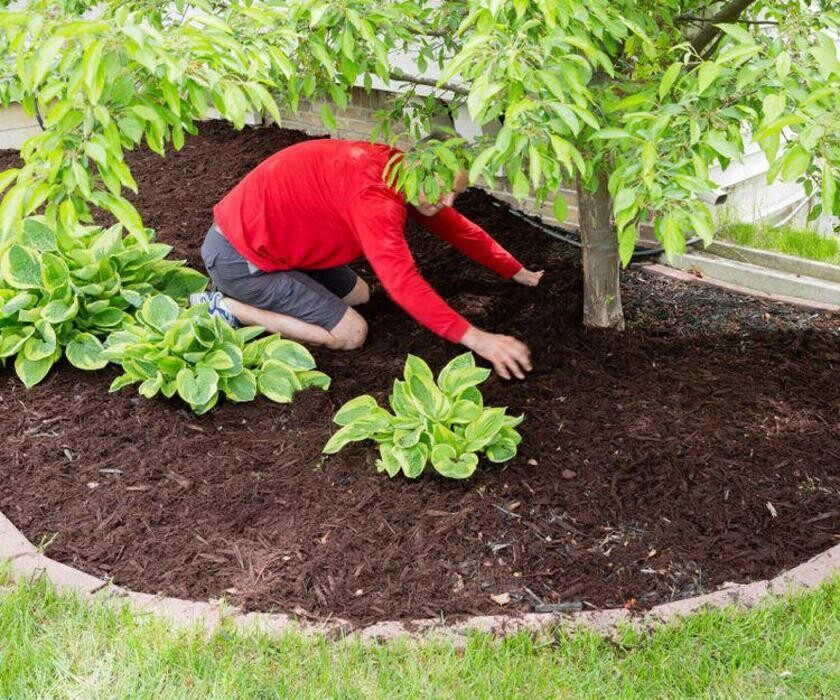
{"x": 323, "y": 203}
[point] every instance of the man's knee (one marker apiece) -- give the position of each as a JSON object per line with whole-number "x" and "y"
{"x": 350, "y": 333}
{"x": 360, "y": 294}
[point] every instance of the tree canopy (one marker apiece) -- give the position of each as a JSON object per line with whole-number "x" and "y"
{"x": 645, "y": 94}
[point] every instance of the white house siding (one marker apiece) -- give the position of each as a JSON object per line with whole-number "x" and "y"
{"x": 15, "y": 127}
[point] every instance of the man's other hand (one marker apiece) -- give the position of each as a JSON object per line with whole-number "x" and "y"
{"x": 528, "y": 278}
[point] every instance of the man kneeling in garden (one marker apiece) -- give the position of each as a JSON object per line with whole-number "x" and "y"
{"x": 281, "y": 240}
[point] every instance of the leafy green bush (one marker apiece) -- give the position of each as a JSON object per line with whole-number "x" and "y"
{"x": 443, "y": 422}
{"x": 185, "y": 351}
{"x": 60, "y": 291}
{"x": 65, "y": 294}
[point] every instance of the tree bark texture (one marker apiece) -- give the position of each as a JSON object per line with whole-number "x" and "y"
{"x": 601, "y": 264}
{"x": 729, "y": 13}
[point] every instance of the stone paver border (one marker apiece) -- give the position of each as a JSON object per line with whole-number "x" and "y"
{"x": 683, "y": 276}
{"x": 27, "y": 562}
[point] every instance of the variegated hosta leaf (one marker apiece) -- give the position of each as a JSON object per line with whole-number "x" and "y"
{"x": 444, "y": 421}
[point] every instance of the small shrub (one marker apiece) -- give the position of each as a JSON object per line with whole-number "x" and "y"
{"x": 185, "y": 351}
{"x": 443, "y": 422}
{"x": 63, "y": 293}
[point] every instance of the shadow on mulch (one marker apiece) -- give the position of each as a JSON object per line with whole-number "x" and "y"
{"x": 700, "y": 446}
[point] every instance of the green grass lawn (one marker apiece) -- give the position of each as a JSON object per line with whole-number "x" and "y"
{"x": 54, "y": 646}
{"x": 802, "y": 243}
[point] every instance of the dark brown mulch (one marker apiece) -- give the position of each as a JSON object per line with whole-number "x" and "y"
{"x": 700, "y": 446}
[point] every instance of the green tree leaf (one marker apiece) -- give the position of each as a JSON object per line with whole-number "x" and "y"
{"x": 93, "y": 69}
{"x": 718, "y": 141}
{"x": 703, "y": 224}
{"x": 625, "y": 199}
{"x": 774, "y": 106}
{"x": 668, "y": 79}
{"x": 560, "y": 207}
{"x": 829, "y": 189}
{"x": 626, "y": 244}
{"x": 11, "y": 209}
{"x": 124, "y": 211}
{"x": 783, "y": 63}
{"x": 48, "y": 52}
{"x": 327, "y": 117}
{"x": 795, "y": 162}
{"x": 826, "y": 54}
{"x": 708, "y": 73}
{"x": 480, "y": 163}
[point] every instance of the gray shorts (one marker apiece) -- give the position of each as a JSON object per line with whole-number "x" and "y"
{"x": 313, "y": 296}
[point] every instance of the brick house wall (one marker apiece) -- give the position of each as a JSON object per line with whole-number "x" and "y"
{"x": 358, "y": 120}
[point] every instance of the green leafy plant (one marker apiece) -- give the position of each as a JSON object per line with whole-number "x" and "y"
{"x": 62, "y": 293}
{"x": 187, "y": 352}
{"x": 443, "y": 422}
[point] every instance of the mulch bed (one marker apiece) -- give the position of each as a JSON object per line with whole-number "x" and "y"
{"x": 700, "y": 446}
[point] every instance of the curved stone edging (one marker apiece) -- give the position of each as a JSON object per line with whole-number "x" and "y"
{"x": 26, "y": 562}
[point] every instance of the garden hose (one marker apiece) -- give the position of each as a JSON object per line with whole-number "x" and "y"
{"x": 573, "y": 237}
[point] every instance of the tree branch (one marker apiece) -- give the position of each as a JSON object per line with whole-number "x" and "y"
{"x": 430, "y": 82}
{"x": 430, "y": 32}
{"x": 707, "y": 20}
{"x": 709, "y": 33}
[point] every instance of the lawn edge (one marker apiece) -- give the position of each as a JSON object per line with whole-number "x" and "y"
{"x": 26, "y": 563}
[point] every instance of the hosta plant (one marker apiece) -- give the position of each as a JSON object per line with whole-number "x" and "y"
{"x": 443, "y": 422}
{"x": 60, "y": 293}
{"x": 199, "y": 357}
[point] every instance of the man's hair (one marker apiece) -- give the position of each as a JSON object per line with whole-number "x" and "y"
{"x": 436, "y": 135}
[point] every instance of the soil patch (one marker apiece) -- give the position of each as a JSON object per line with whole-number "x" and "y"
{"x": 700, "y": 446}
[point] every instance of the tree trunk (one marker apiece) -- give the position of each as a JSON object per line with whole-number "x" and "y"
{"x": 601, "y": 265}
